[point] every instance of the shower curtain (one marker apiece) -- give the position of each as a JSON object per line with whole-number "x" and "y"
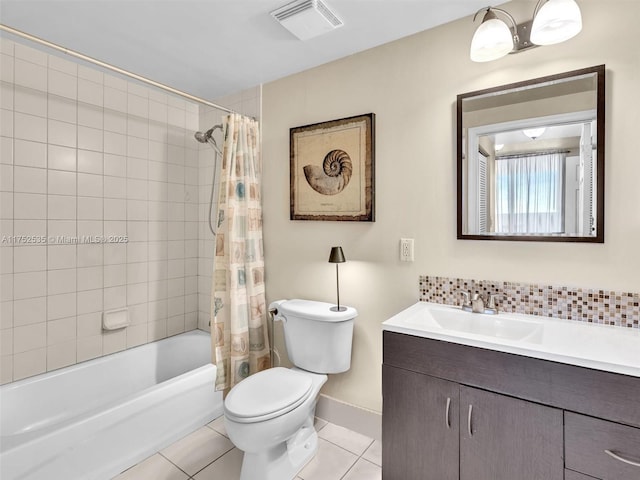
{"x": 239, "y": 314}
{"x": 530, "y": 194}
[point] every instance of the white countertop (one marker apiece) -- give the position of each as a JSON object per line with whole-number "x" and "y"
{"x": 601, "y": 347}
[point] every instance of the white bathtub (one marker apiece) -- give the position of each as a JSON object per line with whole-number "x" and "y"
{"x": 95, "y": 419}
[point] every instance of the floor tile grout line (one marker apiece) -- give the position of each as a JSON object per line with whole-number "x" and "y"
{"x": 366, "y": 450}
{"x": 349, "y": 469}
{"x": 352, "y": 453}
{"x": 212, "y": 428}
{"x": 208, "y": 464}
{"x": 219, "y": 458}
{"x": 364, "y": 460}
{"x": 175, "y": 465}
{"x": 347, "y": 450}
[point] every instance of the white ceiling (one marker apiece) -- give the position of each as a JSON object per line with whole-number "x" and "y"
{"x": 212, "y": 48}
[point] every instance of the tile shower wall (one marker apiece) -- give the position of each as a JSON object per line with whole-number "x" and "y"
{"x": 84, "y": 153}
{"x": 247, "y": 102}
{"x": 581, "y": 304}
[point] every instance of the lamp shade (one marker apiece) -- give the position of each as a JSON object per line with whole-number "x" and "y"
{"x": 534, "y": 133}
{"x": 493, "y": 39}
{"x": 336, "y": 255}
{"x": 555, "y": 22}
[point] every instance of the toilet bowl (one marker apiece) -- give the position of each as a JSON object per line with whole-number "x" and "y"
{"x": 275, "y": 433}
{"x": 270, "y": 415}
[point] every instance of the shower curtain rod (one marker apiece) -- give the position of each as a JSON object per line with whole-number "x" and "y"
{"x": 113, "y": 68}
{"x": 531, "y": 154}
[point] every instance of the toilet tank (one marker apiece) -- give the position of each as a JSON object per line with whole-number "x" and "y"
{"x": 318, "y": 339}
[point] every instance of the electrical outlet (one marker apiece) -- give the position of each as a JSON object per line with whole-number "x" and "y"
{"x": 406, "y": 249}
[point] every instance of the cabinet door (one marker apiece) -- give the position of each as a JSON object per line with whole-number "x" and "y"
{"x": 420, "y": 439}
{"x": 503, "y": 438}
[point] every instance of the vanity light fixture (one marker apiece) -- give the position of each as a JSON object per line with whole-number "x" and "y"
{"x": 337, "y": 256}
{"x": 554, "y": 21}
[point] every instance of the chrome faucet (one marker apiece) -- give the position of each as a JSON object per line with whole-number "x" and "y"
{"x": 479, "y": 303}
{"x": 466, "y": 301}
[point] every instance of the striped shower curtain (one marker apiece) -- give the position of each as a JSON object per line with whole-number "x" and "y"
{"x": 238, "y": 312}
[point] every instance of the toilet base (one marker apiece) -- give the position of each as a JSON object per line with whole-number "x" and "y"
{"x": 284, "y": 461}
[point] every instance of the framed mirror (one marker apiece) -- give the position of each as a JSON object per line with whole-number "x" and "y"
{"x": 530, "y": 159}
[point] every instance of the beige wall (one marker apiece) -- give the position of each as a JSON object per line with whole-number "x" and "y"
{"x": 411, "y": 86}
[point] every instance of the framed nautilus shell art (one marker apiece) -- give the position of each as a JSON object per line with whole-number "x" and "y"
{"x": 332, "y": 170}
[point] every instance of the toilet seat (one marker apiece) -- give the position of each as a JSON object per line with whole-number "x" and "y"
{"x": 267, "y": 394}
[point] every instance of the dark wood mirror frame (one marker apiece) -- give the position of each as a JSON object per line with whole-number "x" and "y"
{"x": 599, "y": 71}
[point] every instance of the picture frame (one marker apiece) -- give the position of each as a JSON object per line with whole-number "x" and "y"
{"x": 332, "y": 170}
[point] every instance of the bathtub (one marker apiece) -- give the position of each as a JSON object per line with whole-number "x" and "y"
{"x": 97, "y": 418}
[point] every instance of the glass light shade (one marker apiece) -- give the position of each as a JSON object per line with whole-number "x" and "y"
{"x": 556, "y": 21}
{"x": 499, "y": 146}
{"x": 493, "y": 39}
{"x": 534, "y": 133}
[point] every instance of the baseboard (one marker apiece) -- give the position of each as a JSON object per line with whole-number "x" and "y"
{"x": 361, "y": 420}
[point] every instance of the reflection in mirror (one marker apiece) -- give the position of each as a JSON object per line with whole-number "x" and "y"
{"x": 535, "y": 170}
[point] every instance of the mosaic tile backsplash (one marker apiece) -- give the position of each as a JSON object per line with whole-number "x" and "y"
{"x": 586, "y": 305}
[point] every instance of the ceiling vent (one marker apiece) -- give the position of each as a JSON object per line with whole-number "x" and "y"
{"x": 307, "y": 18}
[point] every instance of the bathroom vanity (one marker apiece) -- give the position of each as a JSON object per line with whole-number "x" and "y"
{"x": 508, "y": 397}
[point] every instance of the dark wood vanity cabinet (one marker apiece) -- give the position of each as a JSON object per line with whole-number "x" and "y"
{"x": 464, "y": 433}
{"x": 454, "y": 412}
{"x": 407, "y": 435}
{"x": 504, "y": 438}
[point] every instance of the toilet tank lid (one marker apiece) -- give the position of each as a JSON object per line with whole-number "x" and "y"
{"x": 319, "y": 311}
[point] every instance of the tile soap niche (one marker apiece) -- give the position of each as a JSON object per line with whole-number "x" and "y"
{"x": 115, "y": 319}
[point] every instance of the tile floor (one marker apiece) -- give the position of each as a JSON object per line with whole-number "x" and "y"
{"x": 207, "y": 454}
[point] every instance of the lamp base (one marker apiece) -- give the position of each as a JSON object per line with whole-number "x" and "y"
{"x": 338, "y": 309}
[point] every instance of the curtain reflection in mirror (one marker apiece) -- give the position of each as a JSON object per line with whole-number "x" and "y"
{"x": 530, "y": 194}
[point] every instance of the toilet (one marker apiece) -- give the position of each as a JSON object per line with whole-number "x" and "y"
{"x": 270, "y": 415}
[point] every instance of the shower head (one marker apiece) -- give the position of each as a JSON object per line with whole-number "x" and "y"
{"x": 207, "y": 137}
{"x": 203, "y": 137}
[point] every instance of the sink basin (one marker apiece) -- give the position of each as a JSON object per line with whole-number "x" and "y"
{"x": 479, "y": 324}
{"x": 601, "y": 347}
{"x": 488, "y": 325}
